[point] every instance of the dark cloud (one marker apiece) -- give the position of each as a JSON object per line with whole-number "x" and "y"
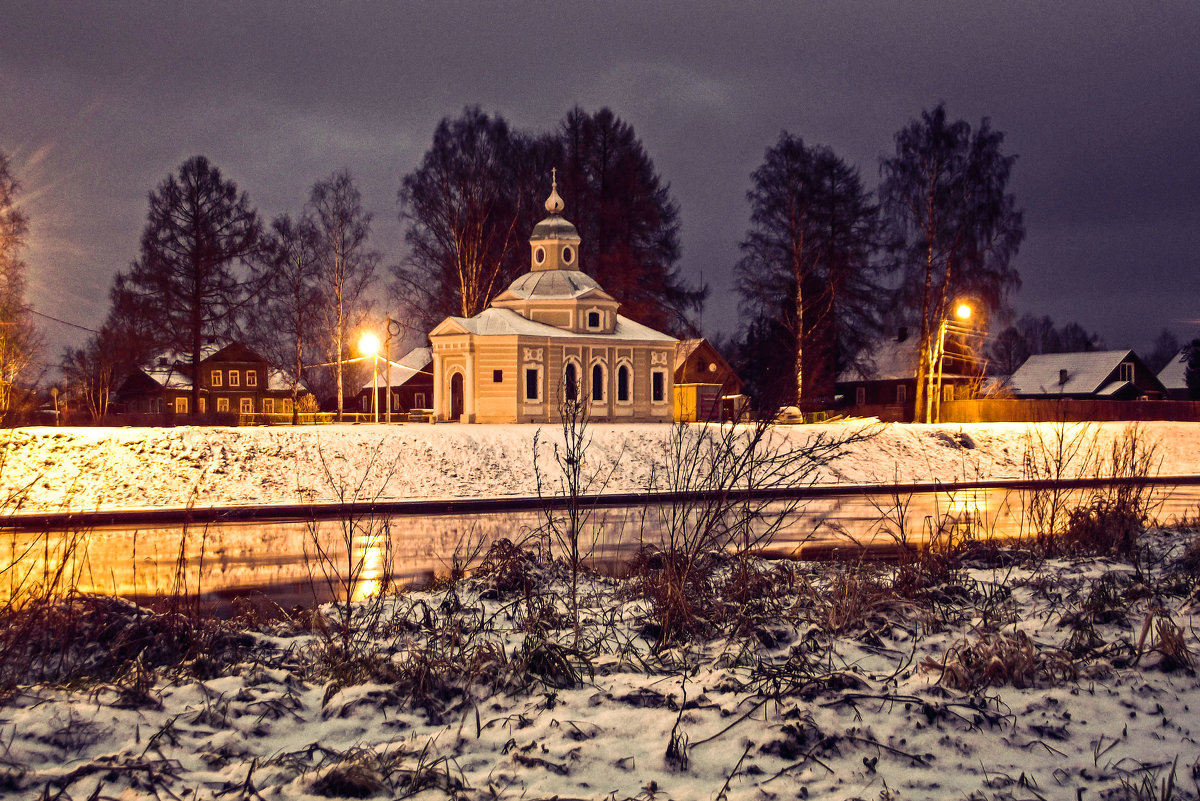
{"x": 1098, "y": 100}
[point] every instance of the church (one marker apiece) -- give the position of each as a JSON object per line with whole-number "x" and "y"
{"x": 553, "y": 338}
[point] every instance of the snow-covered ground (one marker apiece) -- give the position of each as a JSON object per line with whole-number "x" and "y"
{"x": 1048, "y": 679}
{"x": 92, "y": 468}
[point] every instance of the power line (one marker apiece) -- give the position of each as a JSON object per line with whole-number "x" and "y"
{"x": 32, "y": 310}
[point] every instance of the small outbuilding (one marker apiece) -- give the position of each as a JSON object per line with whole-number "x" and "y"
{"x": 410, "y": 381}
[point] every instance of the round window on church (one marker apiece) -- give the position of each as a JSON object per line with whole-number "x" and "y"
{"x": 539, "y": 255}
{"x": 568, "y": 255}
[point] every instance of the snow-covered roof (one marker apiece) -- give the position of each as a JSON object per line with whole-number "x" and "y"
{"x": 1174, "y": 375}
{"x": 168, "y": 377}
{"x": 553, "y": 285}
{"x": 415, "y": 362}
{"x": 506, "y": 322}
{"x": 1086, "y": 373}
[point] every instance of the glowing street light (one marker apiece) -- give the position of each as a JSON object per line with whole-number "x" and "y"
{"x": 962, "y": 314}
{"x": 368, "y": 345}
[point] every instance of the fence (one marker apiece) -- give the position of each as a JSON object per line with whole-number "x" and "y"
{"x": 1065, "y": 411}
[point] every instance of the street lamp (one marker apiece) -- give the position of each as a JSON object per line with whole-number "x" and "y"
{"x": 958, "y": 325}
{"x": 368, "y": 345}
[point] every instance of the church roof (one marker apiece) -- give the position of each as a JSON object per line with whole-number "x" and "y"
{"x": 553, "y": 284}
{"x": 555, "y": 227}
{"x": 505, "y": 322}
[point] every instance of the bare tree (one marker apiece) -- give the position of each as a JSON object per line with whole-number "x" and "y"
{"x": 807, "y": 264}
{"x": 287, "y": 319}
{"x": 346, "y": 266}
{"x": 954, "y": 224}
{"x": 19, "y": 338}
{"x": 465, "y": 208}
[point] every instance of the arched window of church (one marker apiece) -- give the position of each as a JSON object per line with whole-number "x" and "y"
{"x": 598, "y": 382}
{"x": 571, "y": 381}
{"x": 623, "y": 383}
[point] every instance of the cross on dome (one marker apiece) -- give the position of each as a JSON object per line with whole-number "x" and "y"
{"x": 554, "y": 203}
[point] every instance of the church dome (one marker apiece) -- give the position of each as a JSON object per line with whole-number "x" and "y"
{"x": 553, "y": 284}
{"x": 554, "y": 227}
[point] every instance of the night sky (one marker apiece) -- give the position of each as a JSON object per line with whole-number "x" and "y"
{"x": 1100, "y": 101}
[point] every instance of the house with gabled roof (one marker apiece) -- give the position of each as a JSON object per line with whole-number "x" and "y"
{"x": 553, "y": 337}
{"x": 885, "y": 377}
{"x": 1095, "y": 375}
{"x": 233, "y": 379}
{"x": 1174, "y": 376}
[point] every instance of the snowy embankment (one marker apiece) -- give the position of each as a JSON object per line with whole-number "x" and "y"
{"x": 108, "y": 468}
{"x": 1003, "y": 676}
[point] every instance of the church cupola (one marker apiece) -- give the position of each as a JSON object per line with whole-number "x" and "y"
{"x": 554, "y": 241}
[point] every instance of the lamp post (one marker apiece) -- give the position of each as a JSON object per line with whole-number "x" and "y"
{"x": 962, "y": 312}
{"x": 393, "y": 329}
{"x": 368, "y": 345}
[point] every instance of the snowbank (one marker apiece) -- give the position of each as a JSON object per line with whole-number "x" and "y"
{"x": 93, "y": 468}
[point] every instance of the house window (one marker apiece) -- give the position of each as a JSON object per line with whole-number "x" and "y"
{"x": 216, "y": 378}
{"x": 287, "y": 405}
{"x": 532, "y": 381}
{"x": 623, "y": 384}
{"x": 202, "y": 406}
{"x": 419, "y": 400}
{"x": 268, "y": 406}
{"x": 593, "y": 319}
{"x": 233, "y": 378}
{"x": 860, "y": 395}
{"x": 599, "y": 383}
{"x": 948, "y": 392}
{"x": 181, "y": 405}
{"x": 571, "y": 382}
{"x": 1127, "y": 371}
{"x": 247, "y": 406}
{"x": 658, "y": 386}
{"x": 497, "y": 376}
{"x": 251, "y": 378}
{"x": 901, "y": 393}
{"x": 222, "y": 404}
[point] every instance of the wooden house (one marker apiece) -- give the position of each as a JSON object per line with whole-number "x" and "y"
{"x": 234, "y": 380}
{"x": 1096, "y": 375}
{"x": 410, "y": 381}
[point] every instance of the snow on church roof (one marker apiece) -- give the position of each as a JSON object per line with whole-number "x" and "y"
{"x": 505, "y": 322}
{"x": 553, "y": 284}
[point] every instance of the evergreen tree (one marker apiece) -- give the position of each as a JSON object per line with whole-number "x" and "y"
{"x": 1191, "y": 374}
{"x": 627, "y": 219}
{"x": 186, "y": 286}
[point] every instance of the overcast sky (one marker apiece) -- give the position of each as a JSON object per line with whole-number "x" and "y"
{"x": 1100, "y": 101}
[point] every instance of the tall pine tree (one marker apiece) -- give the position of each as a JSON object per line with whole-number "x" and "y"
{"x": 189, "y": 283}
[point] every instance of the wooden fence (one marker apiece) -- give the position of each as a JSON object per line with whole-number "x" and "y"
{"x": 1066, "y": 411}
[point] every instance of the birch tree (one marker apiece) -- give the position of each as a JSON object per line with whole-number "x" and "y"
{"x": 19, "y": 338}
{"x": 954, "y": 224}
{"x": 807, "y": 267}
{"x": 346, "y": 267}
